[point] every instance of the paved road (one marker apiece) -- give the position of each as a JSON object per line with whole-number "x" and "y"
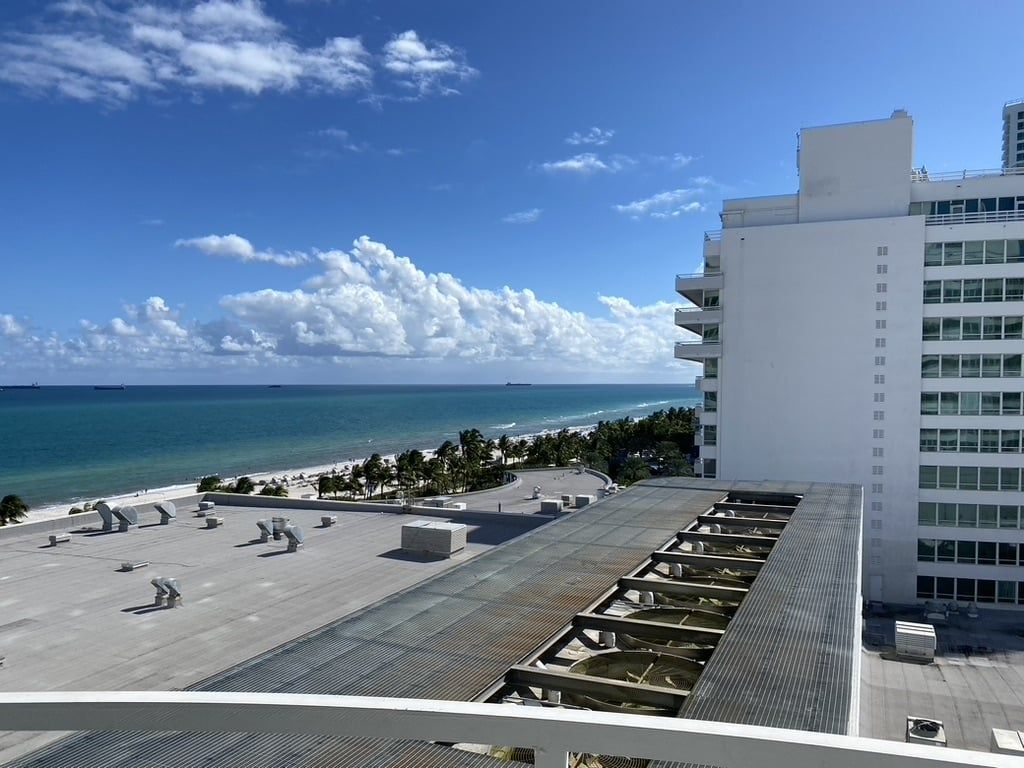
{"x": 519, "y": 496}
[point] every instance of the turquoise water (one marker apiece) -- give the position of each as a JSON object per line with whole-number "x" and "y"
{"x": 62, "y": 444}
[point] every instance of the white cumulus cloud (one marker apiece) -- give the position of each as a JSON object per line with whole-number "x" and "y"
{"x": 90, "y": 50}
{"x": 597, "y": 137}
{"x": 664, "y": 205}
{"x": 583, "y": 164}
{"x": 10, "y": 327}
{"x": 523, "y": 217}
{"x": 235, "y": 247}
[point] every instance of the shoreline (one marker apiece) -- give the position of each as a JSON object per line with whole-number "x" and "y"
{"x": 297, "y": 487}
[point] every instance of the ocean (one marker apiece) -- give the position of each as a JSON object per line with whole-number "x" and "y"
{"x": 66, "y": 444}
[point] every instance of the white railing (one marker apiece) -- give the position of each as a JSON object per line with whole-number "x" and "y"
{"x": 713, "y": 235}
{"x": 553, "y": 733}
{"x": 923, "y": 175}
{"x": 685, "y": 276}
{"x": 981, "y": 217}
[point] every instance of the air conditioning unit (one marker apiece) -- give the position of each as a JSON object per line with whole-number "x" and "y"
{"x": 924, "y": 730}
{"x": 915, "y": 641}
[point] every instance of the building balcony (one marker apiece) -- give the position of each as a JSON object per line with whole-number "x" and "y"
{"x": 553, "y": 733}
{"x": 709, "y": 451}
{"x": 980, "y": 217}
{"x": 707, "y": 385}
{"x": 693, "y": 286}
{"x": 713, "y": 248}
{"x": 695, "y": 318}
{"x": 923, "y": 176}
{"x": 698, "y": 350}
{"x": 708, "y": 417}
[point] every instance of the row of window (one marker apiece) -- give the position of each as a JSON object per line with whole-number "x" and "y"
{"x": 966, "y": 205}
{"x": 970, "y": 440}
{"x": 971, "y": 403}
{"x": 711, "y": 368}
{"x": 972, "y": 328}
{"x": 950, "y": 515}
{"x": 710, "y": 402}
{"x": 969, "y": 590}
{"x": 970, "y": 366}
{"x": 973, "y": 252}
{"x": 973, "y": 290}
{"x": 969, "y": 552}
{"x": 710, "y": 434}
{"x": 969, "y": 478}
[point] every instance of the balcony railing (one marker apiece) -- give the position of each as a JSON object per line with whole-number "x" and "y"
{"x": 686, "y": 276}
{"x": 980, "y": 217}
{"x": 554, "y": 733}
{"x": 917, "y": 175}
{"x": 713, "y": 235}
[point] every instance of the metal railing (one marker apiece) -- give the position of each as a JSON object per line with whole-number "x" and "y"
{"x": 713, "y": 235}
{"x": 921, "y": 175}
{"x": 553, "y": 733}
{"x": 698, "y": 309}
{"x": 981, "y": 217}
{"x": 697, "y": 342}
{"x": 685, "y": 275}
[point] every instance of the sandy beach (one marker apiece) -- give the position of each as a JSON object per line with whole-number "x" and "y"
{"x": 301, "y": 481}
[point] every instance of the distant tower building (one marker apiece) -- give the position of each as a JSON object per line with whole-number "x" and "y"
{"x": 1013, "y": 134}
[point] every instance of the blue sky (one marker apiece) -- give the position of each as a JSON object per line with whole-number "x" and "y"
{"x": 235, "y": 191}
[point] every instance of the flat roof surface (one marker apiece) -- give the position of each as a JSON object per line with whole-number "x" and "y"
{"x": 453, "y": 635}
{"x": 72, "y": 621}
{"x": 976, "y": 683}
{"x": 518, "y": 496}
{"x": 448, "y": 638}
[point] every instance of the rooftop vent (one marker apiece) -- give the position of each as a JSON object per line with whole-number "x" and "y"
{"x": 296, "y": 537}
{"x": 168, "y": 591}
{"x": 167, "y": 510}
{"x": 923, "y": 730}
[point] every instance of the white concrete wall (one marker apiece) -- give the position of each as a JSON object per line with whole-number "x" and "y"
{"x": 857, "y": 170}
{"x": 797, "y": 383}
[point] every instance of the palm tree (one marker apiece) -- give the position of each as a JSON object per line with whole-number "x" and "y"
{"x": 12, "y": 509}
{"x": 504, "y": 447}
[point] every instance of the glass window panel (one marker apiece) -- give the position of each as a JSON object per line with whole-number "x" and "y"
{"x": 1009, "y": 478}
{"x": 929, "y": 366}
{"x": 991, "y": 366}
{"x": 969, "y": 478}
{"x": 933, "y": 254}
{"x": 928, "y": 477}
{"x": 1011, "y": 365}
{"x": 986, "y": 591}
{"x": 970, "y": 403}
{"x": 949, "y": 403}
{"x": 971, "y": 206}
{"x": 710, "y": 332}
{"x": 929, "y": 440}
{"x": 926, "y": 550}
{"x": 990, "y": 441}
{"x": 947, "y": 514}
{"x": 988, "y": 204}
{"x": 1009, "y": 441}
{"x": 942, "y": 209}
{"x": 986, "y": 553}
{"x": 974, "y": 252}
{"x": 946, "y": 551}
{"x": 966, "y": 552}
{"x": 992, "y": 327}
{"x": 973, "y": 290}
{"x": 1014, "y": 250}
{"x": 950, "y": 366}
{"x": 970, "y": 366}
{"x": 929, "y": 403}
{"x": 989, "y": 479}
{"x": 1014, "y": 288}
{"x": 1007, "y": 553}
{"x": 990, "y": 403}
{"x": 1011, "y": 403}
{"x": 995, "y": 251}
{"x": 925, "y": 587}
{"x": 948, "y": 440}
{"x": 951, "y": 328}
{"x": 952, "y": 253}
{"x": 1012, "y": 327}
{"x": 1005, "y": 204}
{"x": 971, "y": 328}
{"x": 1020, "y": 592}
{"x": 944, "y": 588}
{"x": 926, "y": 513}
{"x": 951, "y": 291}
{"x": 947, "y": 477}
{"x": 993, "y": 289}
{"x": 987, "y": 516}
{"x": 711, "y": 369}
{"x": 932, "y": 291}
{"x": 965, "y": 590}
{"x": 930, "y": 328}
{"x": 1006, "y": 592}
{"x": 968, "y": 441}
{"x": 1008, "y": 516}
{"x": 967, "y": 515}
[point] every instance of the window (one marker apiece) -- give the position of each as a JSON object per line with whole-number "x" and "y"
{"x": 1007, "y": 553}
{"x": 970, "y": 403}
{"x": 949, "y": 403}
{"x": 1012, "y": 327}
{"x": 932, "y": 291}
{"x": 881, "y": 269}
{"x": 987, "y": 516}
{"x": 993, "y": 289}
{"x": 948, "y": 477}
{"x": 1009, "y": 478}
{"x": 1011, "y": 403}
{"x": 877, "y": 469}
{"x": 947, "y": 515}
{"x": 968, "y": 441}
{"x": 926, "y": 513}
{"x": 951, "y": 291}
{"x": 879, "y": 452}
{"x": 877, "y": 487}
{"x": 878, "y": 434}
{"x": 970, "y": 366}
{"x": 879, "y": 415}
{"x": 933, "y": 254}
{"x": 879, "y": 359}
{"x": 948, "y": 440}
{"x": 993, "y": 327}
{"x": 968, "y": 478}
{"x": 928, "y": 477}
{"x": 995, "y": 250}
{"x": 973, "y": 290}
{"x": 883, "y": 250}
{"x": 965, "y": 589}
{"x": 1014, "y": 289}
{"x": 879, "y": 325}
{"x": 991, "y": 366}
{"x": 879, "y": 343}
{"x": 930, "y": 328}
{"x": 952, "y": 253}
{"x": 879, "y": 378}
{"x": 989, "y": 479}
{"x": 1014, "y": 251}
{"x": 971, "y": 328}
{"x": 1008, "y": 516}
{"x": 879, "y": 397}
{"x": 876, "y": 506}
{"x": 951, "y": 329}
{"x": 925, "y": 587}
{"x": 1011, "y": 365}
{"x": 974, "y": 252}
{"x": 881, "y": 287}
{"x": 986, "y": 553}
{"x": 1006, "y": 591}
{"x": 711, "y": 369}
{"x": 990, "y": 403}
{"x": 943, "y": 588}
{"x": 929, "y": 366}
{"x": 967, "y": 515}
{"x": 926, "y": 550}
{"x": 929, "y": 403}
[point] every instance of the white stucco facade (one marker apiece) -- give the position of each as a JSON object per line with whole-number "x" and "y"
{"x": 813, "y": 330}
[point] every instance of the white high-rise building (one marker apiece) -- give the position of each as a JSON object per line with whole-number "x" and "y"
{"x": 867, "y": 329}
{"x": 1013, "y": 134}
